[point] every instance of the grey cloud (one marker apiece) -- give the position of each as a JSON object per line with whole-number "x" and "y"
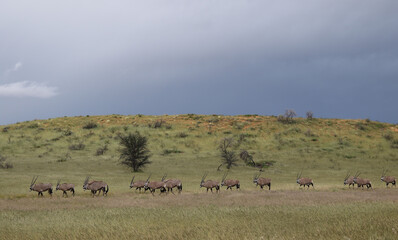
{"x": 336, "y": 58}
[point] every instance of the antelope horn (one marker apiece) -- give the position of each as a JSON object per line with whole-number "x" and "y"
{"x": 132, "y": 180}
{"x": 204, "y": 176}
{"x": 225, "y": 176}
{"x": 31, "y": 183}
{"x": 164, "y": 176}
{"x": 299, "y": 174}
{"x": 58, "y": 182}
{"x": 149, "y": 177}
{"x": 34, "y": 181}
{"x": 86, "y": 180}
{"x": 346, "y": 177}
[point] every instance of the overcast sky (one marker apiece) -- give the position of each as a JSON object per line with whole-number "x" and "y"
{"x": 338, "y": 59}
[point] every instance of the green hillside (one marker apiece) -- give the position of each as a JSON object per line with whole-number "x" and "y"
{"x": 185, "y": 146}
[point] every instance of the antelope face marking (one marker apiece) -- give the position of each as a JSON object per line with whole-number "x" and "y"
{"x": 382, "y": 179}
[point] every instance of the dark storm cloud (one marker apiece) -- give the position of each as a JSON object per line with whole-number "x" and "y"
{"x": 336, "y": 58}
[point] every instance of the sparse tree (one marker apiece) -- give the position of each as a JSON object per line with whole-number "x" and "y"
{"x": 289, "y": 115}
{"x": 309, "y": 115}
{"x": 134, "y": 152}
{"x": 228, "y": 156}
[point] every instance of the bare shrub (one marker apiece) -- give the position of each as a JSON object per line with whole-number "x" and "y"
{"x": 309, "y": 115}
{"x": 287, "y": 117}
{"x": 228, "y": 156}
{"x": 247, "y": 158}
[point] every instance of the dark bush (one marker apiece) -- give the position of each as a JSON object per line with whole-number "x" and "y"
{"x": 78, "y": 146}
{"x": 388, "y": 136}
{"x": 67, "y": 132}
{"x": 101, "y": 150}
{"x": 169, "y": 151}
{"x": 33, "y": 125}
{"x": 182, "y": 135}
{"x": 90, "y": 125}
{"x": 247, "y": 158}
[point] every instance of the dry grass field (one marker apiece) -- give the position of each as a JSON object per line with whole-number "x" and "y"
{"x": 185, "y": 147}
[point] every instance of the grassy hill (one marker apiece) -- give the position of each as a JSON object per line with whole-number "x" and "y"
{"x": 185, "y": 147}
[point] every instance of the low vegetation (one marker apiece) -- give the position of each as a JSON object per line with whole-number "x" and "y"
{"x": 187, "y": 147}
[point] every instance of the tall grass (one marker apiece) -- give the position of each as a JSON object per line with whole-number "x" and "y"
{"x": 335, "y": 221}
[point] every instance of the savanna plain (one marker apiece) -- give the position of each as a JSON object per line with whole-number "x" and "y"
{"x": 186, "y": 147}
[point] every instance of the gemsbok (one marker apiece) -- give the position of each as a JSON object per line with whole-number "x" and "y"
{"x": 95, "y": 186}
{"x": 304, "y": 181}
{"x": 349, "y": 180}
{"x": 169, "y": 184}
{"x": 41, "y": 187}
{"x": 387, "y": 179}
{"x": 360, "y": 182}
{"x": 260, "y": 181}
{"x": 65, "y": 187}
{"x": 152, "y": 186}
{"x": 138, "y": 184}
{"x": 230, "y": 183}
{"x": 209, "y": 184}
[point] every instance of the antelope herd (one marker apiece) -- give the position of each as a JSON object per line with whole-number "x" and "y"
{"x": 167, "y": 185}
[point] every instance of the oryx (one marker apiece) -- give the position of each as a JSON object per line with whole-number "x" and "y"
{"x": 262, "y": 181}
{"x": 137, "y": 185}
{"x": 95, "y": 186}
{"x": 209, "y": 184}
{"x": 169, "y": 184}
{"x": 152, "y": 186}
{"x": 362, "y": 181}
{"x": 387, "y": 179}
{"x": 41, "y": 187}
{"x": 304, "y": 181}
{"x": 349, "y": 180}
{"x": 65, "y": 187}
{"x": 229, "y": 182}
